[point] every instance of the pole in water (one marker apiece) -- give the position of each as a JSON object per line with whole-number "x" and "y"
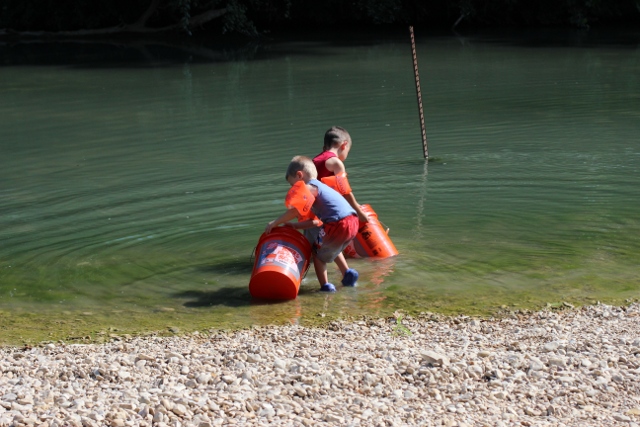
{"x": 419, "y": 93}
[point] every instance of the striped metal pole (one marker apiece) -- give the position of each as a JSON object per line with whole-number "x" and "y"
{"x": 419, "y": 92}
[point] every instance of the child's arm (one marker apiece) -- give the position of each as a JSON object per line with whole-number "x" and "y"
{"x": 336, "y": 166}
{"x": 354, "y": 204}
{"x": 301, "y": 225}
{"x": 285, "y": 217}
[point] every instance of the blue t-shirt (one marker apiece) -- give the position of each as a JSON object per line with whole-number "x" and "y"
{"x": 330, "y": 206}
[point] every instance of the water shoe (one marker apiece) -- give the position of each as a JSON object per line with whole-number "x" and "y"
{"x": 327, "y": 287}
{"x": 350, "y": 277}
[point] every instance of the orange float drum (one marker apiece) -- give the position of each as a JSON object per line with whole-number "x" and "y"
{"x": 281, "y": 260}
{"x": 372, "y": 239}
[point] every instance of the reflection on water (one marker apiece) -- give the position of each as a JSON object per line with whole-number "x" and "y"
{"x": 381, "y": 270}
{"x": 419, "y": 232}
{"x": 137, "y": 180}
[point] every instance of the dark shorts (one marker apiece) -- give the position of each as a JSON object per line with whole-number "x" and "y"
{"x": 331, "y": 238}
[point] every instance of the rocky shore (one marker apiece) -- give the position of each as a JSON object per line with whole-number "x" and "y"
{"x": 570, "y": 367}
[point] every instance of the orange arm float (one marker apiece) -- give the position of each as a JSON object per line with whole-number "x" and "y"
{"x": 300, "y": 198}
{"x": 338, "y": 183}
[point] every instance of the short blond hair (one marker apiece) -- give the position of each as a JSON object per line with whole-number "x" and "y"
{"x": 304, "y": 164}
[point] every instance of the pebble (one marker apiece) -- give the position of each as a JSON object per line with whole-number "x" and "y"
{"x": 574, "y": 366}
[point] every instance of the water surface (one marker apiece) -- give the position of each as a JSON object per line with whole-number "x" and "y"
{"x": 135, "y": 181}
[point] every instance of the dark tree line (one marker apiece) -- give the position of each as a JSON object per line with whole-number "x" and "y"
{"x": 253, "y": 17}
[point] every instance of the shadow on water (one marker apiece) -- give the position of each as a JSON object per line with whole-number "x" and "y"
{"x": 228, "y": 296}
{"x": 83, "y": 54}
{"x": 241, "y": 266}
{"x": 558, "y": 38}
{"x": 164, "y": 52}
{"x": 121, "y": 52}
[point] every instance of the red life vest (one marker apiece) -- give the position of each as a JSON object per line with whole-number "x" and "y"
{"x": 320, "y": 160}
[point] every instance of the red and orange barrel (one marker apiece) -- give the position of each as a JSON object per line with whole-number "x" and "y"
{"x": 281, "y": 260}
{"x": 372, "y": 239}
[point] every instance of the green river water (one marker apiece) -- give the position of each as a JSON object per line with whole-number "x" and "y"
{"x": 135, "y": 180}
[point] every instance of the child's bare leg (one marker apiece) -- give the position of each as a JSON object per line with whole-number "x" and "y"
{"x": 341, "y": 262}
{"x": 321, "y": 270}
{"x": 349, "y": 275}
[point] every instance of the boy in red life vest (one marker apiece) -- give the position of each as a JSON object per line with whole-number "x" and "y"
{"x": 337, "y": 221}
{"x": 337, "y": 143}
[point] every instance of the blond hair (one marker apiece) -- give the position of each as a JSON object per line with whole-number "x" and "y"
{"x": 304, "y": 164}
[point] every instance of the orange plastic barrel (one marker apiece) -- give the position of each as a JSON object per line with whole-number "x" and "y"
{"x": 354, "y": 250}
{"x": 281, "y": 259}
{"x": 372, "y": 239}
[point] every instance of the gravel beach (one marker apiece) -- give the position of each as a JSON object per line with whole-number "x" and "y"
{"x": 569, "y": 367}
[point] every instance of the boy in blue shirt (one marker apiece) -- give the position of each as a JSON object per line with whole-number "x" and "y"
{"x": 338, "y": 221}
